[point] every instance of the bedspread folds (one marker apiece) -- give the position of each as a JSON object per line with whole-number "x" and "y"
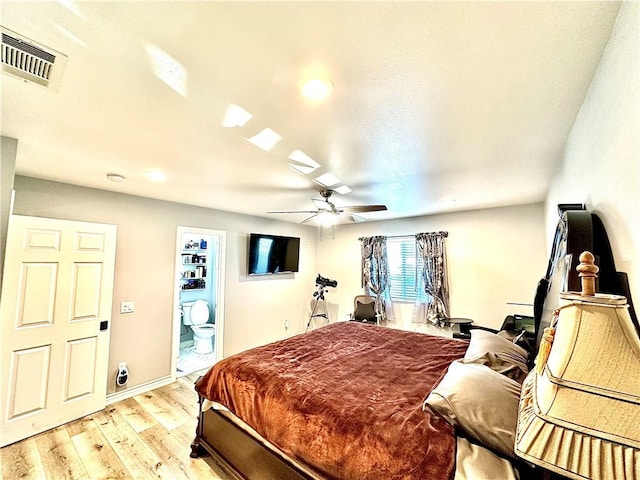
{"x": 345, "y": 399}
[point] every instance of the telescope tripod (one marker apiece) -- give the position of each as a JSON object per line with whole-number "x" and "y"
{"x": 319, "y": 309}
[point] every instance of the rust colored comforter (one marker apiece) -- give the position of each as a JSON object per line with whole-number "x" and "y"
{"x": 345, "y": 399}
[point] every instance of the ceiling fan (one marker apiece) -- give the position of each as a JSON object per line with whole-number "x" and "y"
{"x": 326, "y": 208}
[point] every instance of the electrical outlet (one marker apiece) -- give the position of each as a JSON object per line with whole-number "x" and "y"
{"x": 122, "y": 375}
{"x": 127, "y": 307}
{"x": 286, "y": 324}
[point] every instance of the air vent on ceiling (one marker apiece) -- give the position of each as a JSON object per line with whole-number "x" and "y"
{"x": 30, "y": 61}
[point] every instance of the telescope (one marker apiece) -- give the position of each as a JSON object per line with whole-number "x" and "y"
{"x": 318, "y": 295}
{"x": 326, "y": 282}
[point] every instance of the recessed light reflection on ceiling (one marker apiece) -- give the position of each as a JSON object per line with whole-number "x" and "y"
{"x": 305, "y": 164}
{"x": 155, "y": 175}
{"x": 167, "y": 69}
{"x": 343, "y": 190}
{"x": 327, "y": 179}
{"x": 72, "y": 7}
{"x": 266, "y": 139}
{"x": 317, "y": 89}
{"x": 70, "y": 35}
{"x": 302, "y": 169}
{"x": 301, "y": 157}
{"x": 236, "y": 116}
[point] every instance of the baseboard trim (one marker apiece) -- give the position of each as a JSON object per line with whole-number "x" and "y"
{"x": 137, "y": 390}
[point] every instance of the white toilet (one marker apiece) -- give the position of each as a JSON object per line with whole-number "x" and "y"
{"x": 196, "y": 315}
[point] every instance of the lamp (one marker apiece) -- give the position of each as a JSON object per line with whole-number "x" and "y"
{"x": 579, "y": 412}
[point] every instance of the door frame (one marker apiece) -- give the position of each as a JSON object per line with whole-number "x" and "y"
{"x": 220, "y": 263}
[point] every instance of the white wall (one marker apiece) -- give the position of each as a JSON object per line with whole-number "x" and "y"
{"x": 601, "y": 166}
{"x": 485, "y": 249}
{"x": 494, "y": 256}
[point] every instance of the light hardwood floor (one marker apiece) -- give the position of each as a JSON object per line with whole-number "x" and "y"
{"x": 146, "y": 436}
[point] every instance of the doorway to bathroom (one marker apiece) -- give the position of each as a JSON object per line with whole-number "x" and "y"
{"x": 199, "y": 299}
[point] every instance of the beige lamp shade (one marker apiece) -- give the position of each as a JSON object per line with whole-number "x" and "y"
{"x": 580, "y": 409}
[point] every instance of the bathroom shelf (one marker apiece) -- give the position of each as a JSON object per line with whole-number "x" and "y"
{"x": 194, "y": 262}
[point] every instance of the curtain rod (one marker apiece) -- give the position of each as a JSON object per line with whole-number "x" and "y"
{"x": 446, "y": 234}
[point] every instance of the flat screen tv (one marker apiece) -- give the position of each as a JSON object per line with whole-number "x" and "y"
{"x": 271, "y": 254}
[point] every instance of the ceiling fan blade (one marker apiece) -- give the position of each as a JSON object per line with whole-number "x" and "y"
{"x": 309, "y": 218}
{"x": 353, "y": 218}
{"x": 323, "y": 204}
{"x": 364, "y": 208}
{"x": 298, "y": 211}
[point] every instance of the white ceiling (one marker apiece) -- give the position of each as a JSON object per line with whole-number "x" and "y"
{"x": 438, "y": 106}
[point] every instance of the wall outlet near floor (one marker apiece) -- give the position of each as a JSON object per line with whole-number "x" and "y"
{"x": 127, "y": 307}
{"x": 286, "y": 324}
{"x": 122, "y": 376}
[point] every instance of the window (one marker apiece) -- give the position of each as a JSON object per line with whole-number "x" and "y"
{"x": 403, "y": 259}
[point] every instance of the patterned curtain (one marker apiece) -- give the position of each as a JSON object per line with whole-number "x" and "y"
{"x": 375, "y": 274}
{"x": 432, "y": 297}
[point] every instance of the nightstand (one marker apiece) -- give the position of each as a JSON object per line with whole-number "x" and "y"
{"x": 464, "y": 326}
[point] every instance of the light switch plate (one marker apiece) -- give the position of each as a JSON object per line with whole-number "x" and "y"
{"x": 127, "y": 307}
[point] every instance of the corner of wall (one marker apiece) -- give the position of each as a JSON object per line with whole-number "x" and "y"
{"x": 7, "y": 173}
{"x": 601, "y": 161}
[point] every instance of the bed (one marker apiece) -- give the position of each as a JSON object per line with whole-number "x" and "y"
{"x": 358, "y": 401}
{"x": 355, "y": 401}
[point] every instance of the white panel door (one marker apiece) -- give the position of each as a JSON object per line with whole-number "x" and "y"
{"x": 55, "y": 315}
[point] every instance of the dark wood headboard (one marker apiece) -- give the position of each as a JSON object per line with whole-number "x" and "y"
{"x": 578, "y": 230}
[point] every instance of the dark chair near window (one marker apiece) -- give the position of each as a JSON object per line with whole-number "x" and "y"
{"x": 364, "y": 309}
